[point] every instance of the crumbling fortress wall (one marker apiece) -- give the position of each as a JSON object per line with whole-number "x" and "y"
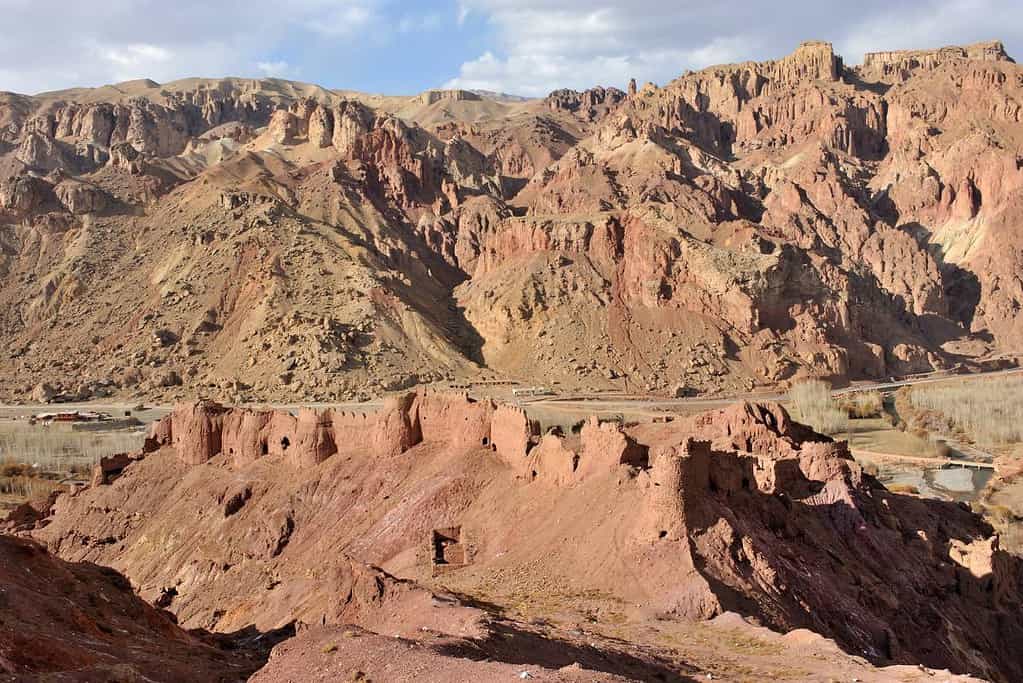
{"x": 202, "y": 430}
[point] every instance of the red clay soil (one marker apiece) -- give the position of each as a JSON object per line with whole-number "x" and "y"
{"x": 62, "y": 621}
{"x": 239, "y": 518}
{"x": 334, "y": 653}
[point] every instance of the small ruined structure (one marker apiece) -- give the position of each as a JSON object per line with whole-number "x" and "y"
{"x": 450, "y": 548}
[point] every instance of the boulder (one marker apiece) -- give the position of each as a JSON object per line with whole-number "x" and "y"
{"x": 43, "y": 393}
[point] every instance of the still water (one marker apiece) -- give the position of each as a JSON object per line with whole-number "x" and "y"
{"x": 945, "y": 484}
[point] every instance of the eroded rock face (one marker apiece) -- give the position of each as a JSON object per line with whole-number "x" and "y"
{"x": 203, "y": 430}
{"x": 898, "y": 65}
{"x": 283, "y": 127}
{"x": 590, "y": 104}
{"x": 196, "y": 431}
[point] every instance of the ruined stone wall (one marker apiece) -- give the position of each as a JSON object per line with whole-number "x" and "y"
{"x": 454, "y": 418}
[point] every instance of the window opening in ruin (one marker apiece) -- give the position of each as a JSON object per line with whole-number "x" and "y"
{"x": 447, "y": 546}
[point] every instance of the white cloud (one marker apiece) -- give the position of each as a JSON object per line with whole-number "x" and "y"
{"x": 91, "y": 44}
{"x": 342, "y": 21}
{"x": 280, "y": 69}
{"x": 545, "y": 44}
{"x": 134, "y": 55}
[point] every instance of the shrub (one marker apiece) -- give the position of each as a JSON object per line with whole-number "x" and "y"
{"x": 863, "y": 404}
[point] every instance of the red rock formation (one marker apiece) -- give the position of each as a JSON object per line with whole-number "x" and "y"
{"x": 606, "y": 446}
{"x": 314, "y": 439}
{"x": 109, "y": 468}
{"x": 244, "y": 437}
{"x": 817, "y": 219}
{"x": 513, "y": 435}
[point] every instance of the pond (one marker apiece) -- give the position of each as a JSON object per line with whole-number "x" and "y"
{"x": 957, "y": 484}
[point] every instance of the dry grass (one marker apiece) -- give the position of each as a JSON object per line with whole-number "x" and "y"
{"x": 990, "y": 412}
{"x": 34, "y": 458}
{"x": 60, "y": 450}
{"x": 20, "y": 482}
{"x": 814, "y": 406}
{"x": 26, "y": 488}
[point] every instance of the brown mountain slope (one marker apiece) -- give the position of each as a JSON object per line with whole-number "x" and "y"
{"x": 741, "y": 225}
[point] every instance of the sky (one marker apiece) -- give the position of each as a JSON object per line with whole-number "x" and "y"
{"x": 524, "y": 47}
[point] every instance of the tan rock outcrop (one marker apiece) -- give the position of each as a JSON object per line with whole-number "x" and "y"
{"x": 283, "y": 127}
{"x": 23, "y": 194}
{"x": 321, "y": 127}
{"x": 898, "y": 65}
{"x": 351, "y": 121}
{"x": 434, "y": 96}
{"x": 40, "y": 152}
{"x": 80, "y": 198}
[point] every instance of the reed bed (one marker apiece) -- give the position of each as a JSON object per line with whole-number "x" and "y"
{"x": 815, "y": 406}
{"x": 988, "y": 411}
{"x": 60, "y": 450}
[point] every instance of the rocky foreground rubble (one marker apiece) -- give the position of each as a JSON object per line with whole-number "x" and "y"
{"x": 456, "y": 526}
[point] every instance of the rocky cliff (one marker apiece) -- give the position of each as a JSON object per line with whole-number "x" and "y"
{"x": 743, "y": 225}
